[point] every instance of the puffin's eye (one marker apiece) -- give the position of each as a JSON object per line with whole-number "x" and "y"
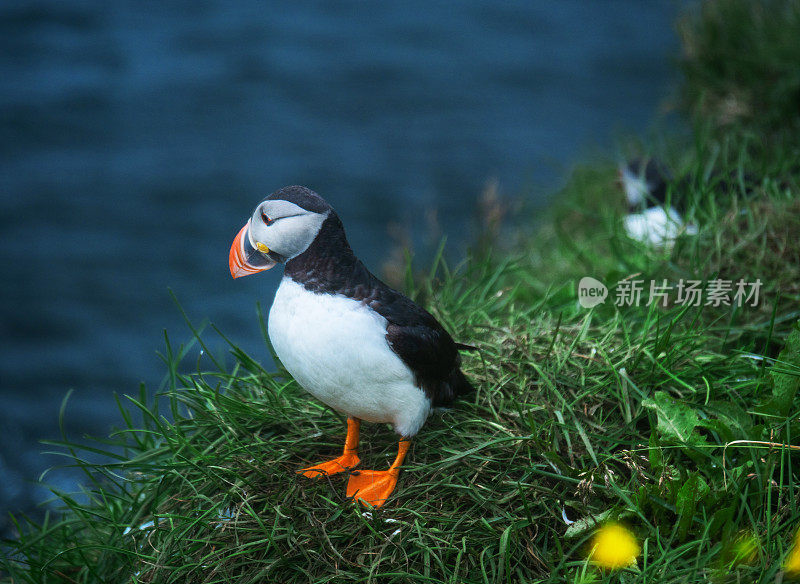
{"x": 266, "y": 219}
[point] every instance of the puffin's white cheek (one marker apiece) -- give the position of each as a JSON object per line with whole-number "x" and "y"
{"x": 293, "y": 235}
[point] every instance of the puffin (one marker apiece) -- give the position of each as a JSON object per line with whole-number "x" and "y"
{"x": 351, "y": 341}
{"x": 650, "y": 219}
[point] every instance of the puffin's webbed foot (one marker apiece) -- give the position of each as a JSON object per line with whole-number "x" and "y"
{"x": 372, "y": 486}
{"x": 346, "y": 461}
{"x": 375, "y": 486}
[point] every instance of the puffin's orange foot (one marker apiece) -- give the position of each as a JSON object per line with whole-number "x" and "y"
{"x": 341, "y": 464}
{"x": 372, "y": 486}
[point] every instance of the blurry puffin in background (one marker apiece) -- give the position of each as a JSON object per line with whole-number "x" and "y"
{"x": 346, "y": 337}
{"x": 650, "y": 219}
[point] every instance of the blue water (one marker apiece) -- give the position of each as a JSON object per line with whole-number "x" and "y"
{"x": 135, "y": 138}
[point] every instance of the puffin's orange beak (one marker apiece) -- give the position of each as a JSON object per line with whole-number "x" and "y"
{"x": 244, "y": 259}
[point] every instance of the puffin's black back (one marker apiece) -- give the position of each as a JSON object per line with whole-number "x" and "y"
{"x": 329, "y": 266}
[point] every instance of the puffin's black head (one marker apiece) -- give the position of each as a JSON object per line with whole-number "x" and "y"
{"x": 281, "y": 227}
{"x": 302, "y": 197}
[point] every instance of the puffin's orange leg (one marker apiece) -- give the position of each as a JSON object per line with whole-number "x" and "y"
{"x": 375, "y": 486}
{"x": 346, "y": 461}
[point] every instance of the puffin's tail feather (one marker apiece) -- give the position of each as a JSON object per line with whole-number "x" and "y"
{"x": 466, "y": 347}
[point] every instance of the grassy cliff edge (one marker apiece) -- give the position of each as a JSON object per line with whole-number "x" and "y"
{"x": 677, "y": 421}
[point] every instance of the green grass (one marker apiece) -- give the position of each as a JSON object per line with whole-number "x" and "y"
{"x": 627, "y": 413}
{"x": 577, "y": 413}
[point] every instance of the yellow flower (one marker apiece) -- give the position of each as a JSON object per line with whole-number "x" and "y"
{"x": 792, "y": 562}
{"x": 614, "y": 547}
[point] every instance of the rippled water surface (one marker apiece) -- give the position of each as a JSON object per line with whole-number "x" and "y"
{"x": 137, "y": 136}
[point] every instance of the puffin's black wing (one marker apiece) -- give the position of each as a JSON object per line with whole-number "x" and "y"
{"x": 423, "y": 345}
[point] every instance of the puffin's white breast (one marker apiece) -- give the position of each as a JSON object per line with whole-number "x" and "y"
{"x": 336, "y": 348}
{"x": 657, "y": 226}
